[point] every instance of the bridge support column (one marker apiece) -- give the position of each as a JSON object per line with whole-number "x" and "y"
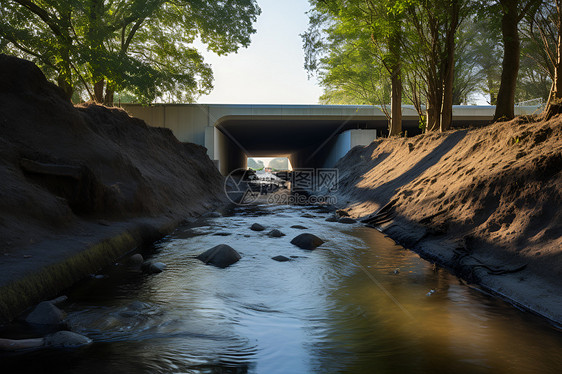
{"x": 226, "y": 153}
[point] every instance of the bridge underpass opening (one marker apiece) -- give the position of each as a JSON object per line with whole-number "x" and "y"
{"x": 269, "y": 163}
{"x": 306, "y": 143}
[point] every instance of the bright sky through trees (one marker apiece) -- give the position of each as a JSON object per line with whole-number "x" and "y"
{"x": 271, "y": 70}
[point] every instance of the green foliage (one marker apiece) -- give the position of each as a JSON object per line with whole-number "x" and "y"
{"x": 139, "y": 46}
{"x": 354, "y": 48}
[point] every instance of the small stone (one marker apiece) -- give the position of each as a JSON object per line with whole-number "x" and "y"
{"x": 134, "y": 260}
{"x": 331, "y": 219}
{"x": 222, "y": 234}
{"x": 153, "y": 267}
{"x": 45, "y": 313}
{"x": 342, "y": 213}
{"x": 300, "y": 227}
{"x": 257, "y": 227}
{"x": 275, "y": 234}
{"x": 307, "y": 215}
{"x": 66, "y": 339}
{"x": 281, "y": 258}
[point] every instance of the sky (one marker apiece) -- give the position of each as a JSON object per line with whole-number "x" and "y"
{"x": 270, "y": 70}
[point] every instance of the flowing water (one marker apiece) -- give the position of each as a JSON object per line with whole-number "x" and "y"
{"x": 357, "y": 304}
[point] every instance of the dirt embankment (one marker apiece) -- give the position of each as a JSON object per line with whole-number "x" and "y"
{"x": 486, "y": 203}
{"x": 74, "y": 177}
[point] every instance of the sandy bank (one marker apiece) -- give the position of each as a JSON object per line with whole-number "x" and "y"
{"x": 485, "y": 203}
{"x": 81, "y": 185}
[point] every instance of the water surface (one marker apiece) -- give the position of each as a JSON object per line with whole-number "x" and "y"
{"x": 357, "y": 304}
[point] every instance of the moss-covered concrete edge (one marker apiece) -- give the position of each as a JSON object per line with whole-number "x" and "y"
{"x": 31, "y": 289}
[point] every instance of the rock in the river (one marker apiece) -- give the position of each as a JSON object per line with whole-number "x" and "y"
{"x": 275, "y": 233}
{"x": 153, "y": 267}
{"x": 307, "y": 241}
{"x": 257, "y": 227}
{"x": 308, "y": 215}
{"x": 300, "y": 227}
{"x": 66, "y": 339}
{"x": 342, "y": 213}
{"x": 46, "y": 313}
{"x": 134, "y": 260}
{"x": 220, "y": 256}
{"x": 347, "y": 220}
{"x": 281, "y": 258}
{"x": 331, "y": 219}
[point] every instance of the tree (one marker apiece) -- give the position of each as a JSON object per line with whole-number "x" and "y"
{"x": 512, "y": 12}
{"x": 140, "y": 46}
{"x": 548, "y": 25}
{"x": 380, "y": 23}
{"x": 435, "y": 25}
{"x": 468, "y": 55}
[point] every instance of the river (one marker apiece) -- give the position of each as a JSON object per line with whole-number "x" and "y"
{"x": 357, "y": 304}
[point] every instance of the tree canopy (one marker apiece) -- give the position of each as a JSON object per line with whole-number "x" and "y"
{"x": 141, "y": 47}
{"x": 440, "y": 52}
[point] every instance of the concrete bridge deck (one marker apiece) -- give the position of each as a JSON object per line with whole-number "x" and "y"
{"x": 310, "y": 135}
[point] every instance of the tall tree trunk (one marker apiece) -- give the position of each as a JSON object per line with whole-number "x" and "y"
{"x": 396, "y": 102}
{"x": 554, "y": 105}
{"x": 433, "y": 109}
{"x": 395, "y": 69}
{"x": 510, "y": 64}
{"x": 98, "y": 91}
{"x": 449, "y": 70}
{"x": 434, "y": 98}
{"x": 108, "y": 99}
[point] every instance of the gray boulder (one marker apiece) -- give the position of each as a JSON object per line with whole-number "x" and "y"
{"x": 275, "y": 234}
{"x": 46, "y": 313}
{"x": 257, "y": 227}
{"x": 66, "y": 339}
{"x": 307, "y": 241}
{"x": 331, "y": 219}
{"x": 220, "y": 256}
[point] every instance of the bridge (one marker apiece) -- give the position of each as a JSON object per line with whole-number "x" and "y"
{"x": 309, "y": 135}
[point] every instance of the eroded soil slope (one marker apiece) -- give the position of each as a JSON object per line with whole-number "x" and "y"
{"x": 60, "y": 164}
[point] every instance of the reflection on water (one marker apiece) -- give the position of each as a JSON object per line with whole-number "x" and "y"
{"x": 357, "y": 304}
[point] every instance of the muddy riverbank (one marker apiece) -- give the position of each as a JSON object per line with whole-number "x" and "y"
{"x": 485, "y": 203}
{"x": 81, "y": 185}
